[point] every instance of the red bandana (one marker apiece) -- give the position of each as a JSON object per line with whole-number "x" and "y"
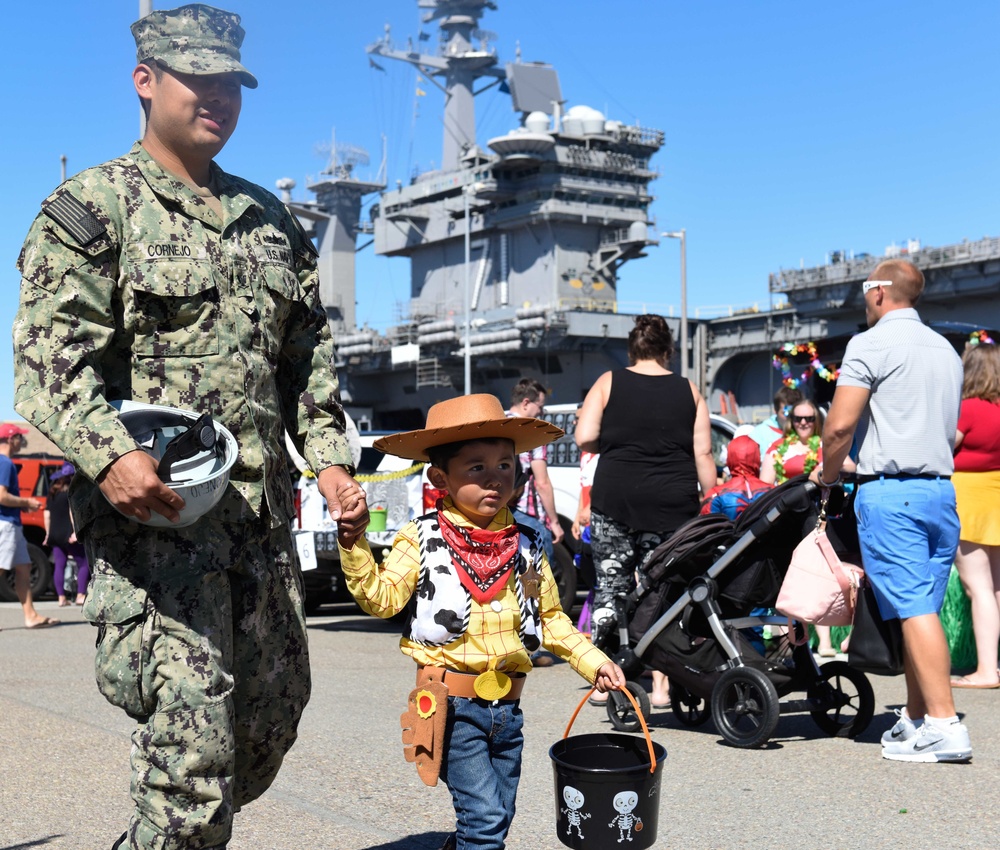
{"x": 483, "y": 559}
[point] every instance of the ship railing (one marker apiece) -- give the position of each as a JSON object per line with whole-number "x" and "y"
{"x": 586, "y": 305}
{"x": 844, "y": 272}
{"x": 604, "y": 160}
{"x": 431, "y": 373}
{"x": 614, "y": 236}
{"x": 982, "y": 250}
{"x": 721, "y": 311}
{"x": 705, "y": 311}
{"x": 979, "y": 251}
{"x": 410, "y": 327}
{"x": 641, "y": 136}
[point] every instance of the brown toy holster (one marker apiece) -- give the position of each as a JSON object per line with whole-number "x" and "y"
{"x": 424, "y": 723}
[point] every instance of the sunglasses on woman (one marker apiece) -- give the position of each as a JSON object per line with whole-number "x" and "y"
{"x": 807, "y": 419}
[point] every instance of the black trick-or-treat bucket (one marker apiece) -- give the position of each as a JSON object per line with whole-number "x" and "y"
{"x": 607, "y": 788}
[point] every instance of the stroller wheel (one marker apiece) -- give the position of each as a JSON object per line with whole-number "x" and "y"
{"x": 620, "y": 710}
{"x": 846, "y": 701}
{"x": 745, "y": 707}
{"x": 690, "y": 709}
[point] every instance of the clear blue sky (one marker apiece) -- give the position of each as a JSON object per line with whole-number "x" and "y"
{"x": 792, "y": 129}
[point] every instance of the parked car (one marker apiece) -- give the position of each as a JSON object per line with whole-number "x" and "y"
{"x": 33, "y": 473}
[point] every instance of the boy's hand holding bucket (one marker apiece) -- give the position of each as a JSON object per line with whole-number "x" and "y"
{"x": 609, "y": 678}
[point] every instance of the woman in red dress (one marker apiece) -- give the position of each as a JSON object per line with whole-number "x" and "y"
{"x": 977, "y": 491}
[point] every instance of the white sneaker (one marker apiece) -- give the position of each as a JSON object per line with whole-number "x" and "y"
{"x": 903, "y": 730}
{"x": 931, "y": 743}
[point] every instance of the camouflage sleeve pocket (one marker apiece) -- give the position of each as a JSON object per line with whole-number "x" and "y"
{"x": 280, "y": 303}
{"x": 124, "y": 643}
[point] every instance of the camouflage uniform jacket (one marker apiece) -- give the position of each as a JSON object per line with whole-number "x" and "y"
{"x": 134, "y": 289}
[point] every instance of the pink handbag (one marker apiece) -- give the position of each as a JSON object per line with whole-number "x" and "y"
{"x": 819, "y": 588}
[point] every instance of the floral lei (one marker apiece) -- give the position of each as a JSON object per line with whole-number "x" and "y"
{"x": 812, "y": 455}
{"x": 780, "y": 361}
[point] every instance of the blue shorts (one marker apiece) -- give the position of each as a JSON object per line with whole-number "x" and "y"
{"x": 908, "y": 530}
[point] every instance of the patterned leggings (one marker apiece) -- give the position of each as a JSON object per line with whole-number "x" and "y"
{"x": 618, "y": 552}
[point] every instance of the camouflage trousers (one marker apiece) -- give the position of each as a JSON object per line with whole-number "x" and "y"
{"x": 202, "y": 639}
{"x": 618, "y": 552}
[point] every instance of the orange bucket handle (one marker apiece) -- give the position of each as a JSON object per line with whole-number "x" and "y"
{"x": 635, "y": 705}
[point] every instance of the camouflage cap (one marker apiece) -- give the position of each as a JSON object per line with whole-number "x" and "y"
{"x": 193, "y": 39}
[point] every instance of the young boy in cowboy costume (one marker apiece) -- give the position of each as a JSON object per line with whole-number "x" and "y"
{"x": 482, "y": 599}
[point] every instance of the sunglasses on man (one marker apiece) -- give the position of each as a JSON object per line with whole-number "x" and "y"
{"x": 868, "y": 285}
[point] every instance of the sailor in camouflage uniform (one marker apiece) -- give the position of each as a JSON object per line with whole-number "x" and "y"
{"x": 158, "y": 277}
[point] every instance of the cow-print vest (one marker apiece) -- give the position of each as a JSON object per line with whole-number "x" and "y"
{"x": 443, "y": 605}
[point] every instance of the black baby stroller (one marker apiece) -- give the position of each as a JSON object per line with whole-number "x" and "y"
{"x": 694, "y": 617}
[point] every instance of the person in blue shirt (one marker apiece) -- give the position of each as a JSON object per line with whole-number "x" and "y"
{"x": 13, "y": 547}
{"x": 540, "y": 658}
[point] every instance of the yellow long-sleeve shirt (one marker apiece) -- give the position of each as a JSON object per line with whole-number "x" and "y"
{"x": 492, "y": 639}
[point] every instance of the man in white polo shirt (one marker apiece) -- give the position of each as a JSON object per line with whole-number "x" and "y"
{"x": 900, "y": 388}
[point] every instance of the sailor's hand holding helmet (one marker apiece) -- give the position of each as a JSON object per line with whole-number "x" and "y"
{"x": 134, "y": 488}
{"x": 180, "y": 469}
{"x": 347, "y": 503}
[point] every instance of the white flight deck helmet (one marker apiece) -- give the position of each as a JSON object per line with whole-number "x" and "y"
{"x": 200, "y": 476}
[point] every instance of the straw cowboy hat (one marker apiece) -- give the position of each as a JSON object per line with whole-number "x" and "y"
{"x": 469, "y": 417}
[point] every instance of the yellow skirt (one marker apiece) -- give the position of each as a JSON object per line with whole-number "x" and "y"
{"x": 978, "y": 495}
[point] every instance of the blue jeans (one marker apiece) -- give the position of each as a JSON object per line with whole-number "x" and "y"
{"x": 482, "y": 766}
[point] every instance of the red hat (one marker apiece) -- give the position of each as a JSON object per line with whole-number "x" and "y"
{"x": 8, "y": 430}
{"x": 743, "y": 456}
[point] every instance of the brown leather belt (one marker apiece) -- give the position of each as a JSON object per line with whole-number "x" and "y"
{"x": 462, "y": 684}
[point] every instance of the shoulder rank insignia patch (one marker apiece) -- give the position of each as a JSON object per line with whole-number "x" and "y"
{"x": 311, "y": 249}
{"x": 74, "y": 217}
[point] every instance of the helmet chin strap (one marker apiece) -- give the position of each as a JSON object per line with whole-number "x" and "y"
{"x": 185, "y": 456}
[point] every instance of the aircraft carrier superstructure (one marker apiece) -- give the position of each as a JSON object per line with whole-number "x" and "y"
{"x": 516, "y": 246}
{"x": 515, "y": 249}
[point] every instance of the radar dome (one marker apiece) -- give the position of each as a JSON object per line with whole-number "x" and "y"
{"x": 583, "y": 121}
{"x": 537, "y": 122}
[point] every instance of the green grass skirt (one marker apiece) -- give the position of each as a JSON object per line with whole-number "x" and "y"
{"x": 956, "y": 618}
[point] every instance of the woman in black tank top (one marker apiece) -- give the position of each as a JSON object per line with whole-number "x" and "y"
{"x": 652, "y": 430}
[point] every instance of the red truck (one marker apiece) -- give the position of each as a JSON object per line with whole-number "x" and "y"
{"x": 33, "y": 472}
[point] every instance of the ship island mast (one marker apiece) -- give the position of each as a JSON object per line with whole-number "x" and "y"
{"x": 548, "y": 214}
{"x": 460, "y": 64}
{"x": 333, "y": 219}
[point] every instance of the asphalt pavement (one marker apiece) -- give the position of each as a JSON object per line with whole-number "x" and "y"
{"x": 64, "y": 773}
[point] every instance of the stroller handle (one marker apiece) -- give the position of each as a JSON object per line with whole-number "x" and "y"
{"x": 796, "y": 499}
